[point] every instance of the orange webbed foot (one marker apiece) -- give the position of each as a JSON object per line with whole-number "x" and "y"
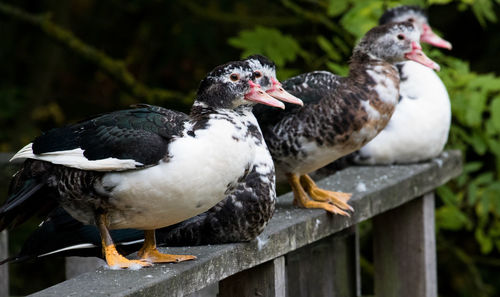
{"x": 154, "y": 256}
{"x": 114, "y": 259}
{"x": 150, "y": 253}
{"x": 308, "y": 195}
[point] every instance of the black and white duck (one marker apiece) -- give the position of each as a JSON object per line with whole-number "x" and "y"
{"x": 418, "y": 129}
{"x": 244, "y": 213}
{"x": 241, "y": 216}
{"x": 340, "y": 114}
{"x": 144, "y": 168}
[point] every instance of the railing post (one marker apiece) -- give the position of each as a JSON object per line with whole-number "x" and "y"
{"x": 4, "y": 270}
{"x": 405, "y": 250}
{"x": 209, "y": 291}
{"x": 267, "y": 279}
{"x": 327, "y": 268}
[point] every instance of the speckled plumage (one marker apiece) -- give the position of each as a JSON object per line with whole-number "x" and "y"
{"x": 172, "y": 172}
{"x": 241, "y": 216}
{"x": 419, "y": 128}
{"x": 244, "y": 213}
{"x": 340, "y": 114}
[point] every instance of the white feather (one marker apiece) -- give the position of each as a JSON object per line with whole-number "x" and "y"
{"x": 73, "y": 247}
{"x": 75, "y": 159}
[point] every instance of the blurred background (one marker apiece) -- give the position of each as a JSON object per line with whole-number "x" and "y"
{"x": 62, "y": 61}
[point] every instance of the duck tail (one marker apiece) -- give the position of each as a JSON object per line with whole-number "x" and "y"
{"x": 18, "y": 207}
{"x": 14, "y": 259}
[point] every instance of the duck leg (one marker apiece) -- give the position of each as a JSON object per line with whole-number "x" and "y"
{"x": 339, "y": 199}
{"x": 113, "y": 258}
{"x": 150, "y": 253}
{"x": 301, "y": 199}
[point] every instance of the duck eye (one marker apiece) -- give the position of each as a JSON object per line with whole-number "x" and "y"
{"x": 257, "y": 74}
{"x": 401, "y": 36}
{"x": 411, "y": 20}
{"x": 234, "y": 77}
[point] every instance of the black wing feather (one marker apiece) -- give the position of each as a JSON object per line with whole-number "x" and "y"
{"x": 141, "y": 134}
{"x": 310, "y": 87}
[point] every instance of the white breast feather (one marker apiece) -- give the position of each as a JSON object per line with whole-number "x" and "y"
{"x": 191, "y": 182}
{"x": 385, "y": 88}
{"x": 418, "y": 129}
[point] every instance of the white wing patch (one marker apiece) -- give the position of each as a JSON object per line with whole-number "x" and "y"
{"x": 75, "y": 159}
{"x": 73, "y": 247}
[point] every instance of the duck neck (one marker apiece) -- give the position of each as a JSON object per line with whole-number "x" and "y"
{"x": 376, "y": 75}
{"x": 203, "y": 110}
{"x": 201, "y": 113}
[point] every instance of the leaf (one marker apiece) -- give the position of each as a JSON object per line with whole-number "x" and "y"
{"x": 471, "y": 194}
{"x": 484, "y": 241}
{"x": 341, "y": 70}
{"x": 447, "y": 195}
{"x": 483, "y": 10}
{"x": 269, "y": 42}
{"x": 450, "y": 218}
{"x": 326, "y": 46}
{"x": 362, "y": 17}
{"x": 336, "y": 7}
{"x": 493, "y": 193}
{"x": 484, "y": 178}
{"x": 285, "y": 73}
{"x": 495, "y": 112}
{"x": 431, "y": 2}
{"x": 478, "y": 142}
{"x": 472, "y": 167}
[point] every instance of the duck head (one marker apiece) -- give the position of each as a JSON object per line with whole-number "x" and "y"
{"x": 417, "y": 16}
{"x": 230, "y": 85}
{"x": 394, "y": 43}
{"x": 264, "y": 73}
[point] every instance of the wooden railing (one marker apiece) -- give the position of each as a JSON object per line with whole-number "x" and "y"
{"x": 307, "y": 252}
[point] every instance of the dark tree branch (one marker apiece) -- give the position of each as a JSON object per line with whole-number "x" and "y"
{"x": 220, "y": 16}
{"x": 114, "y": 68}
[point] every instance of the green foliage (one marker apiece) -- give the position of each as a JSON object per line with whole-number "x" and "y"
{"x": 270, "y": 42}
{"x": 476, "y": 131}
{"x": 109, "y": 55}
{"x": 469, "y": 204}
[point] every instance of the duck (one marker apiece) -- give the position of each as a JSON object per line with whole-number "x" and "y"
{"x": 419, "y": 127}
{"x": 244, "y": 213}
{"x": 146, "y": 167}
{"x": 340, "y": 114}
{"x": 240, "y": 216}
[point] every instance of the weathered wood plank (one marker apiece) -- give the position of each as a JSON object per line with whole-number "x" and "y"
{"x": 267, "y": 279}
{"x": 78, "y": 265}
{"x": 326, "y": 268}
{"x": 405, "y": 250}
{"x": 4, "y": 269}
{"x": 386, "y": 187}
